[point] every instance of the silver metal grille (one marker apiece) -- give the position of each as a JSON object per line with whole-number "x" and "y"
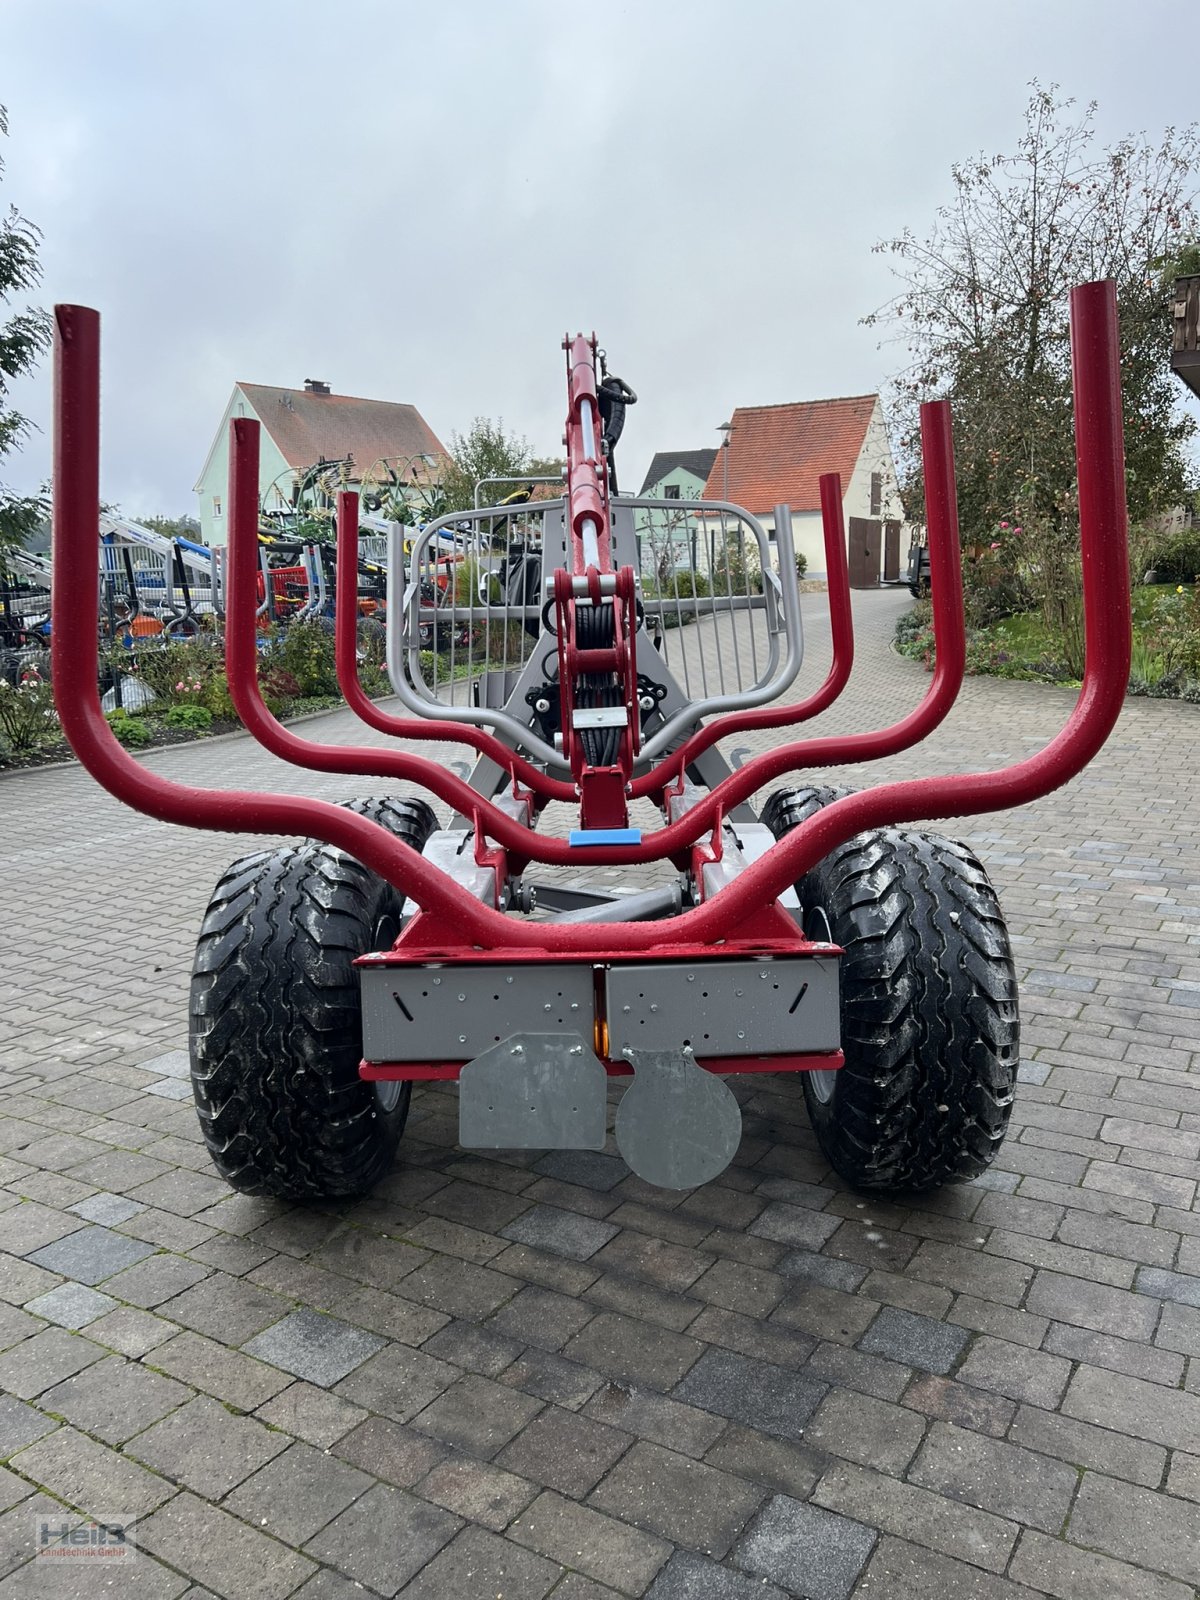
{"x": 467, "y": 640}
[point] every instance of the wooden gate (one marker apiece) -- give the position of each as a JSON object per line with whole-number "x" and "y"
{"x": 891, "y": 552}
{"x": 864, "y": 538}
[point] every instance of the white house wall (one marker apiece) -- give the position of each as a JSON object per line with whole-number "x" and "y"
{"x": 875, "y": 456}
{"x": 212, "y": 489}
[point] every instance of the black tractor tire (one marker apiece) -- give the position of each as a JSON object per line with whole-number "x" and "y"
{"x": 276, "y": 1026}
{"x": 788, "y": 808}
{"x": 930, "y": 1030}
{"x": 410, "y": 820}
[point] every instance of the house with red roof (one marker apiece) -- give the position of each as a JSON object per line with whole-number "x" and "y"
{"x": 777, "y": 455}
{"x": 312, "y": 427}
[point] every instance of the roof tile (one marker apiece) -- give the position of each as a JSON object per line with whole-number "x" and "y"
{"x": 777, "y": 454}
{"x": 312, "y": 427}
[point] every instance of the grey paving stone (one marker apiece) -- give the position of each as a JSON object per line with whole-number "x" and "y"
{"x": 114, "y": 1399}
{"x": 479, "y": 1563}
{"x": 475, "y": 1348}
{"x": 17, "y": 1325}
{"x": 588, "y": 1168}
{"x": 317, "y": 1348}
{"x": 477, "y": 1415}
{"x": 71, "y": 1305}
{"x": 1184, "y": 1479}
{"x": 46, "y": 1359}
{"x": 297, "y": 1493}
{"x": 237, "y": 1379}
{"x": 91, "y": 1254}
{"x": 28, "y": 1227}
{"x": 565, "y": 1233}
{"x": 148, "y": 1283}
{"x": 854, "y": 1369}
{"x": 1169, "y": 1417}
{"x": 397, "y": 1382}
{"x": 783, "y": 1465}
{"x": 171, "y": 1064}
{"x": 1092, "y": 1305}
{"x": 540, "y": 1317}
{"x": 552, "y": 1377}
{"x": 861, "y": 1428}
{"x": 477, "y": 1490}
{"x": 1119, "y": 1355}
{"x": 793, "y": 1225}
{"x": 90, "y": 1476}
{"x": 915, "y": 1340}
{"x": 645, "y": 1302}
{"x": 824, "y": 1313}
{"x": 21, "y": 1425}
{"x": 750, "y": 1290}
{"x": 957, "y": 1403}
{"x": 206, "y": 1448}
{"x": 311, "y": 1414}
{"x": 1002, "y": 1478}
{"x": 590, "y": 1542}
{"x": 108, "y": 1209}
{"x": 390, "y": 1451}
{"x": 329, "y": 1585}
{"x": 899, "y": 1568}
{"x": 1084, "y": 1445}
{"x": 913, "y": 1513}
{"x": 1149, "y": 1530}
{"x": 141, "y": 1579}
{"x": 753, "y": 1392}
{"x": 688, "y": 1576}
{"x": 459, "y": 1288}
{"x": 805, "y": 1549}
{"x": 821, "y": 1269}
{"x": 563, "y": 1451}
{"x": 633, "y": 1351}
{"x": 683, "y": 1500}
{"x": 221, "y": 1552}
{"x": 227, "y": 1309}
{"x": 384, "y": 1538}
{"x": 652, "y": 1416}
{"x": 1010, "y": 1369}
{"x": 1177, "y": 1286}
{"x": 1069, "y": 1573}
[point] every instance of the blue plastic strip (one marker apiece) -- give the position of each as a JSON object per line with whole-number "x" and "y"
{"x": 586, "y": 836}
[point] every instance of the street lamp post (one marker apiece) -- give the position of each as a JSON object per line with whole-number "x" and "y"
{"x": 726, "y": 429}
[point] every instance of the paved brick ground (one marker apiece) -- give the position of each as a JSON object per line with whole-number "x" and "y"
{"x": 528, "y": 1377}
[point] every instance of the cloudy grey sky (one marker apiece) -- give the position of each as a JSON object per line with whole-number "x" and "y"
{"x": 415, "y": 200}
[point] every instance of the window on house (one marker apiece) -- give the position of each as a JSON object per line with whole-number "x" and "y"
{"x": 216, "y": 505}
{"x": 670, "y": 491}
{"x": 876, "y": 493}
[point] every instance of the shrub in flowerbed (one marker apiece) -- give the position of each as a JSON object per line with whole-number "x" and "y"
{"x": 26, "y": 710}
{"x": 305, "y": 651}
{"x": 133, "y": 732}
{"x": 189, "y": 718}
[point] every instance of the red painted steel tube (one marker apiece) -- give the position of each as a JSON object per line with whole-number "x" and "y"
{"x": 841, "y": 623}
{"x": 1103, "y": 527}
{"x": 346, "y": 650}
{"x": 75, "y": 593}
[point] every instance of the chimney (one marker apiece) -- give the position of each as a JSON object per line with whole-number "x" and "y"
{"x": 315, "y": 386}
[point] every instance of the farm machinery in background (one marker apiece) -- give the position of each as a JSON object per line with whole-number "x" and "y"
{"x": 818, "y": 933}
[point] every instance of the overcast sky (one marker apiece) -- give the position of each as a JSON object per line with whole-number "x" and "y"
{"x": 415, "y": 201}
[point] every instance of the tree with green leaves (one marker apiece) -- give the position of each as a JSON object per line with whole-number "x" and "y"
{"x": 487, "y": 451}
{"x": 24, "y": 339}
{"x": 983, "y": 303}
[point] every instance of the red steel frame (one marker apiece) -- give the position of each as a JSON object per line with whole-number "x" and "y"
{"x": 743, "y": 915}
